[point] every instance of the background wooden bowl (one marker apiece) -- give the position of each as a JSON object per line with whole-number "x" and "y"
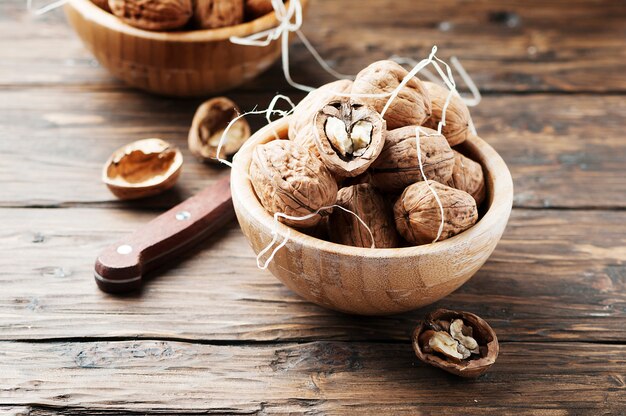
{"x": 190, "y": 63}
{"x": 374, "y": 281}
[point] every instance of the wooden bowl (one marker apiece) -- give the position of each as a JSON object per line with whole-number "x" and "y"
{"x": 189, "y": 63}
{"x": 374, "y": 281}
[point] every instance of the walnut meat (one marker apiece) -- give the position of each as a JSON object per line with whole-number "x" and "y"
{"x": 369, "y": 205}
{"x": 301, "y": 123}
{"x": 348, "y": 136}
{"x": 289, "y": 179}
{"x": 456, "y": 129}
{"x": 211, "y": 14}
{"x": 467, "y": 176}
{"x": 418, "y": 217}
{"x": 412, "y": 104}
{"x": 397, "y": 166}
{"x": 460, "y": 343}
{"x": 153, "y": 14}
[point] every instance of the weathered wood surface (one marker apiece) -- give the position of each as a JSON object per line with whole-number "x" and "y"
{"x": 554, "y": 145}
{"x": 553, "y": 277}
{"x": 317, "y": 378}
{"x": 214, "y": 335}
{"x": 507, "y": 46}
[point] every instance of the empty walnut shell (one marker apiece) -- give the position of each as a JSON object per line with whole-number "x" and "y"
{"x": 410, "y": 107}
{"x": 208, "y": 125}
{"x": 471, "y": 367}
{"x": 103, "y": 4}
{"x": 369, "y": 205}
{"x": 467, "y": 176}
{"x": 288, "y": 179}
{"x": 397, "y": 166}
{"x": 142, "y": 168}
{"x": 418, "y": 216}
{"x": 456, "y": 129}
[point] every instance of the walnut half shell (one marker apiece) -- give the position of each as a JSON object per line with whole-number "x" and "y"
{"x": 142, "y": 168}
{"x": 208, "y": 125}
{"x": 436, "y": 338}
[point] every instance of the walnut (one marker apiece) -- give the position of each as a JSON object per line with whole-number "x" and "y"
{"x": 467, "y": 347}
{"x": 397, "y": 165}
{"x": 289, "y": 179}
{"x": 103, "y": 4}
{"x": 364, "y": 201}
{"x": 257, "y": 8}
{"x": 301, "y": 123}
{"x": 348, "y": 136}
{"x": 418, "y": 216}
{"x": 456, "y": 129}
{"x": 410, "y": 107}
{"x": 467, "y": 176}
{"x": 207, "y": 128}
{"x": 211, "y": 14}
{"x": 153, "y": 14}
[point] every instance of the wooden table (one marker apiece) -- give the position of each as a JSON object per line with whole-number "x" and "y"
{"x": 214, "y": 335}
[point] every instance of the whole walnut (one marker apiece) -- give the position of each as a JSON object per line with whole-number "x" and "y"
{"x": 257, "y": 8}
{"x": 467, "y": 176}
{"x": 289, "y": 179}
{"x": 369, "y": 205}
{"x": 153, "y": 14}
{"x": 456, "y": 129}
{"x": 397, "y": 166}
{"x": 211, "y": 14}
{"x": 410, "y": 107}
{"x": 418, "y": 216}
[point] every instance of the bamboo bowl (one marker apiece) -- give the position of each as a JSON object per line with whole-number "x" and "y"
{"x": 182, "y": 64}
{"x": 374, "y": 281}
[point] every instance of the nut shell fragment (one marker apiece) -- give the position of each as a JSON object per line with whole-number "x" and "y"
{"x": 153, "y": 14}
{"x": 257, "y": 8}
{"x": 142, "y": 168}
{"x": 418, "y": 216}
{"x": 475, "y": 364}
{"x": 208, "y": 125}
{"x": 369, "y": 205}
{"x": 456, "y": 129}
{"x": 397, "y": 166}
{"x": 412, "y": 104}
{"x": 289, "y": 179}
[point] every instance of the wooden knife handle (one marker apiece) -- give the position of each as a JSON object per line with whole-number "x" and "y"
{"x": 120, "y": 267}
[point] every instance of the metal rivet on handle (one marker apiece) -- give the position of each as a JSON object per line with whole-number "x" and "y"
{"x": 124, "y": 249}
{"x": 183, "y": 215}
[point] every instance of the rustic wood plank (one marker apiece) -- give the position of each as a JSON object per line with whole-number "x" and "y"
{"x": 506, "y": 46}
{"x": 553, "y": 277}
{"x": 316, "y": 378}
{"x": 554, "y": 145}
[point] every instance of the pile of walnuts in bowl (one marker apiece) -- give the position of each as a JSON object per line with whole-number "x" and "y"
{"x": 161, "y": 15}
{"x": 342, "y": 152}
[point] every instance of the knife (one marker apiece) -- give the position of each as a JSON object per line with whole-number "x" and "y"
{"x": 120, "y": 267}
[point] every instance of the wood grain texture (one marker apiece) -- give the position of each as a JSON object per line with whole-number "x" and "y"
{"x": 553, "y": 277}
{"x": 550, "y": 143}
{"x": 514, "y": 45}
{"x": 316, "y": 378}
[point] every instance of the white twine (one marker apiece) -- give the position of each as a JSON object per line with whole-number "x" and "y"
{"x": 45, "y": 9}
{"x": 418, "y": 131}
{"x": 278, "y": 215}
